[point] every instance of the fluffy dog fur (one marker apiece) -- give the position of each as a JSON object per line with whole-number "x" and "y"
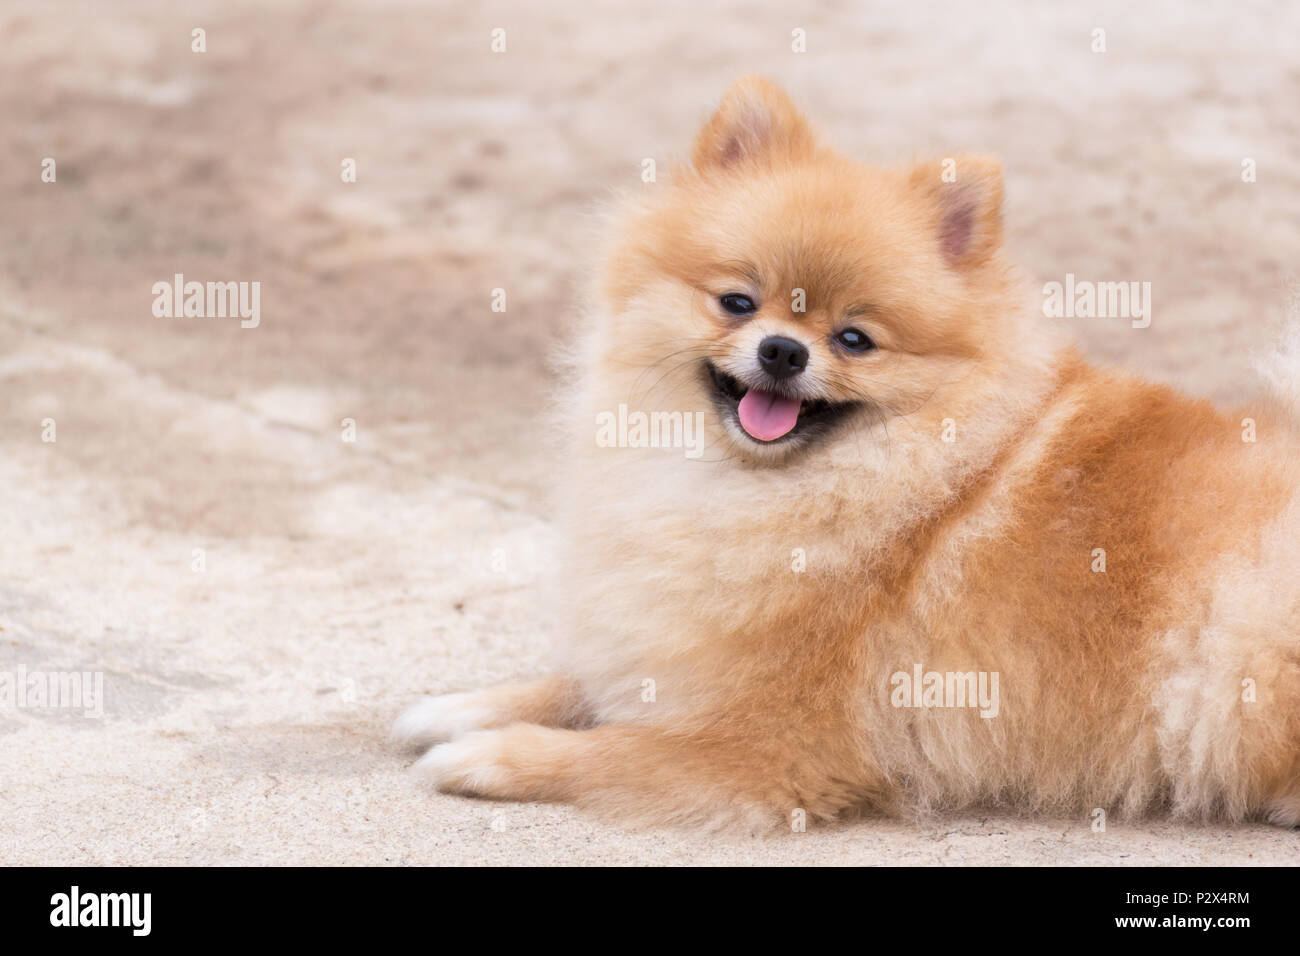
{"x": 1170, "y": 681}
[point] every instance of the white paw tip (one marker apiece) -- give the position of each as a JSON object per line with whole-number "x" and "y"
{"x": 468, "y": 765}
{"x": 432, "y": 720}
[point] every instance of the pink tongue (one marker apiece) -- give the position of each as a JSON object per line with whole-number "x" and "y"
{"x": 767, "y": 416}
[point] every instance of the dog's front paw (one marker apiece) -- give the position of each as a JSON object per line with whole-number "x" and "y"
{"x": 472, "y": 765}
{"x": 433, "y": 720}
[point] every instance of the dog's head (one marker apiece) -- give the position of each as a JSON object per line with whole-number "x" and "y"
{"x": 802, "y": 293}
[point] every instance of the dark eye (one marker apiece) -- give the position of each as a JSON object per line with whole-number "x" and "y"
{"x": 737, "y": 304}
{"x": 855, "y": 340}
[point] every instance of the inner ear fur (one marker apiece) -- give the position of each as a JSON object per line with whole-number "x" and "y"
{"x": 755, "y": 122}
{"x": 965, "y": 193}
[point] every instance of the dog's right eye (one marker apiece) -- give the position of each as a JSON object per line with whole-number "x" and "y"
{"x": 737, "y": 304}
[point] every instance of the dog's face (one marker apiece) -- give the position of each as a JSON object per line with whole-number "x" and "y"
{"x": 802, "y": 294}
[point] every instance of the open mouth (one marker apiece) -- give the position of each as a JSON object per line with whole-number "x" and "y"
{"x": 769, "y": 417}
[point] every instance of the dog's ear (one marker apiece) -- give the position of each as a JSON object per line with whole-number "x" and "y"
{"x": 965, "y": 196}
{"x": 755, "y": 122}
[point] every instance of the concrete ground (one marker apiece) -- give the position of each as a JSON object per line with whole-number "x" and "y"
{"x": 246, "y": 702}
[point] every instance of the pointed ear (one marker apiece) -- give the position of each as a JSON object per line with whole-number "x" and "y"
{"x": 756, "y": 121}
{"x": 965, "y": 193}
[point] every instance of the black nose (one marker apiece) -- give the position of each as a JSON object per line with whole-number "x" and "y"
{"x": 782, "y": 357}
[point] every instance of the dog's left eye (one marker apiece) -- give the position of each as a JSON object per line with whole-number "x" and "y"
{"x": 855, "y": 340}
{"x": 737, "y": 304}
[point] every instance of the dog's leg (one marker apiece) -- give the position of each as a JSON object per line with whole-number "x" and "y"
{"x": 638, "y": 772}
{"x": 552, "y": 701}
{"x": 1282, "y": 805}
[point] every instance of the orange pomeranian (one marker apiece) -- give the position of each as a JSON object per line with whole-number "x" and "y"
{"x": 847, "y": 528}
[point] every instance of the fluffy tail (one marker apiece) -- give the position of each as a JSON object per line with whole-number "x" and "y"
{"x": 1280, "y": 368}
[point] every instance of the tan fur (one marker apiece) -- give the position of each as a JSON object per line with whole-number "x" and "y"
{"x": 1121, "y": 690}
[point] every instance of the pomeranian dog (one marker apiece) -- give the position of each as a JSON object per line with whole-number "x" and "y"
{"x": 926, "y": 558}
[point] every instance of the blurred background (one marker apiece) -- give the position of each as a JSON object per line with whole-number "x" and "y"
{"x": 262, "y": 595}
